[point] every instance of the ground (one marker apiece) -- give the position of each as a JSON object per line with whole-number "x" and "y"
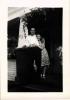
{"x": 48, "y": 85}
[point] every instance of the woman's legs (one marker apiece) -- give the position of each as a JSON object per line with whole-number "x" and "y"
{"x": 45, "y": 69}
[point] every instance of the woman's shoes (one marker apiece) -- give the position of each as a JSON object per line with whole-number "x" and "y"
{"x": 43, "y": 76}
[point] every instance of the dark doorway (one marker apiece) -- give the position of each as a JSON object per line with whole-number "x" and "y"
{"x": 48, "y": 23}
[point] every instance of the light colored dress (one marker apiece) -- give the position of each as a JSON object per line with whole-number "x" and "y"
{"x": 44, "y": 57}
{"x": 44, "y": 54}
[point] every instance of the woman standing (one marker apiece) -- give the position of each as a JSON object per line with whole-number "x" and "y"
{"x": 44, "y": 56}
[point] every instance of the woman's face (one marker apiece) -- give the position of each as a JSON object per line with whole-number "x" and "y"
{"x": 38, "y": 37}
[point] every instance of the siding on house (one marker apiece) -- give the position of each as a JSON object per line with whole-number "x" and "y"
{"x": 11, "y": 70}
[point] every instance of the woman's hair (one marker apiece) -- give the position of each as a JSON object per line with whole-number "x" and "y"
{"x": 41, "y": 38}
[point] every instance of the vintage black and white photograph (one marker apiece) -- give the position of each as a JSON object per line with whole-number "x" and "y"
{"x": 34, "y": 50}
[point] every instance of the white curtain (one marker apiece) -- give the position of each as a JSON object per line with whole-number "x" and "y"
{"x": 23, "y": 32}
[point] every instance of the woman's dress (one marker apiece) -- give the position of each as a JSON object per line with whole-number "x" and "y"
{"x": 44, "y": 54}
